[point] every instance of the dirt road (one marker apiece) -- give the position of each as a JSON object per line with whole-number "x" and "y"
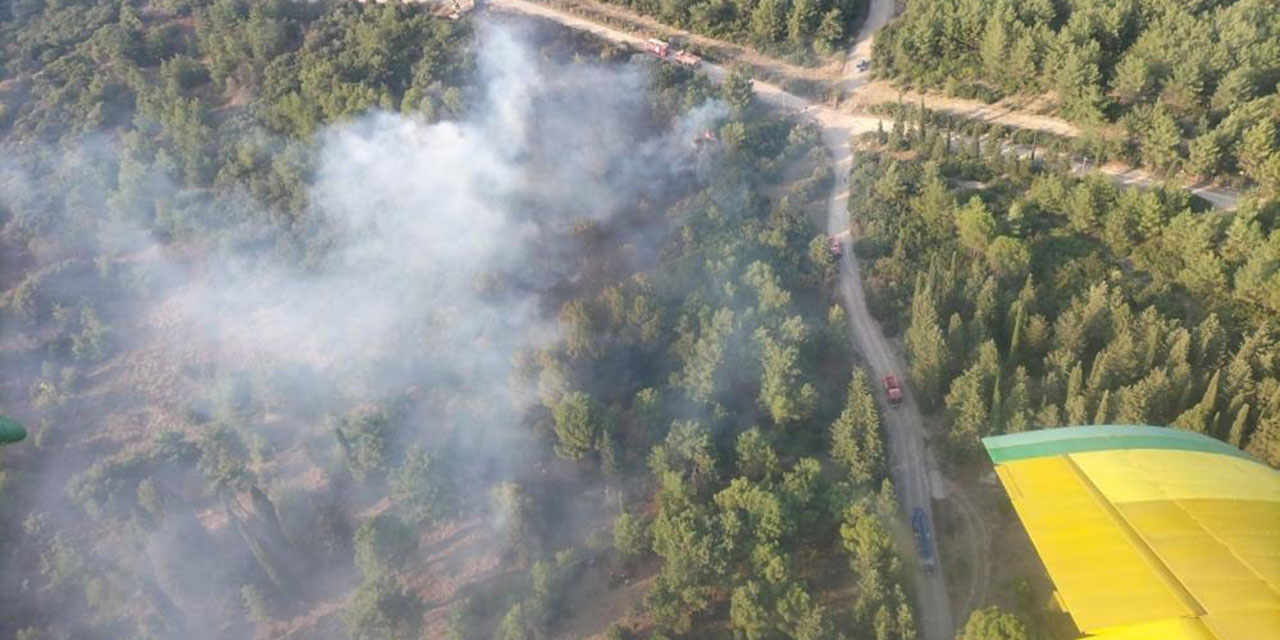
{"x": 640, "y": 23}
{"x": 911, "y": 464}
{"x": 878, "y": 15}
{"x": 859, "y": 89}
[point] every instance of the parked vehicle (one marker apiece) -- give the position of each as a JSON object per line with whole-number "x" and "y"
{"x": 691, "y": 60}
{"x": 893, "y": 390}
{"x": 924, "y": 542}
{"x": 657, "y": 47}
{"x": 662, "y": 49}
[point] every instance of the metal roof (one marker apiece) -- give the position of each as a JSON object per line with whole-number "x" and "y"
{"x": 1149, "y": 532}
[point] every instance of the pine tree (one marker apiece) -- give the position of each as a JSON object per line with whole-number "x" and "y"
{"x": 1160, "y": 145}
{"x": 1100, "y": 374}
{"x": 887, "y": 499}
{"x": 1143, "y": 401}
{"x": 769, "y": 21}
{"x": 629, "y": 535}
{"x": 1078, "y": 82}
{"x": 993, "y": 624}
{"x": 855, "y": 436}
{"x": 803, "y": 21}
{"x": 1204, "y": 155}
{"x": 957, "y": 341}
{"x": 968, "y": 400}
{"x": 1239, "y": 384}
{"x": 926, "y": 348}
{"x": 748, "y": 611}
{"x": 1017, "y": 407}
{"x": 906, "y": 621}
{"x": 1264, "y": 443}
{"x": 975, "y": 225}
{"x": 994, "y": 49}
{"x": 1050, "y": 415}
{"x": 1022, "y": 68}
{"x": 1197, "y": 418}
{"x": 757, "y": 460}
{"x": 783, "y": 393}
{"x": 737, "y": 88}
{"x": 934, "y": 202}
{"x": 830, "y": 31}
{"x": 1077, "y": 410}
{"x": 577, "y": 423}
{"x": 1239, "y": 86}
{"x": 1256, "y": 146}
{"x": 1075, "y": 401}
{"x": 1133, "y": 79}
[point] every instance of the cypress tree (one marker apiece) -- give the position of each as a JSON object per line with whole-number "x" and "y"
{"x": 1103, "y": 414}
{"x": 1237, "y": 434}
{"x": 1015, "y": 340}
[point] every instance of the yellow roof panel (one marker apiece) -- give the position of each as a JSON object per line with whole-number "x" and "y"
{"x": 1149, "y": 532}
{"x": 1250, "y": 529}
{"x": 1174, "y": 629}
{"x": 1258, "y": 624}
{"x": 1137, "y": 475}
{"x": 1210, "y": 571}
{"x": 1103, "y": 576}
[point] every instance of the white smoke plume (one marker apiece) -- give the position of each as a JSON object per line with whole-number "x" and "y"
{"x": 436, "y": 227}
{"x": 442, "y": 242}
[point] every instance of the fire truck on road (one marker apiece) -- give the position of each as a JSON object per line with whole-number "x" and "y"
{"x": 893, "y": 390}
{"x": 662, "y": 49}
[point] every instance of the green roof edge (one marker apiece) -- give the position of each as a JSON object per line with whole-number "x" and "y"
{"x": 1064, "y": 440}
{"x": 11, "y": 431}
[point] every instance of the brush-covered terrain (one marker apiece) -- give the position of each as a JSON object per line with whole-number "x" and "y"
{"x": 1029, "y": 297}
{"x": 1183, "y": 88}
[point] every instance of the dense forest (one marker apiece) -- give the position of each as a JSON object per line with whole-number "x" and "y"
{"x": 1191, "y": 86}
{"x": 319, "y": 332}
{"x": 764, "y": 458}
{"x": 801, "y": 30}
{"x": 1027, "y": 297}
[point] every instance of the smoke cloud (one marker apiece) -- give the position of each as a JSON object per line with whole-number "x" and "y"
{"x": 442, "y": 243}
{"x": 443, "y": 233}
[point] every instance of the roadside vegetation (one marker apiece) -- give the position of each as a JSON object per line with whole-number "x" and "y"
{"x": 1028, "y": 298}
{"x": 1189, "y": 87}
{"x": 801, "y": 31}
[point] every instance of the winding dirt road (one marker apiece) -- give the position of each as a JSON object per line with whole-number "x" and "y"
{"x": 911, "y": 463}
{"x": 878, "y": 14}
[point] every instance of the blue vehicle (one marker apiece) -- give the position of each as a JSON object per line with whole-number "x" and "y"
{"x": 924, "y": 543}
